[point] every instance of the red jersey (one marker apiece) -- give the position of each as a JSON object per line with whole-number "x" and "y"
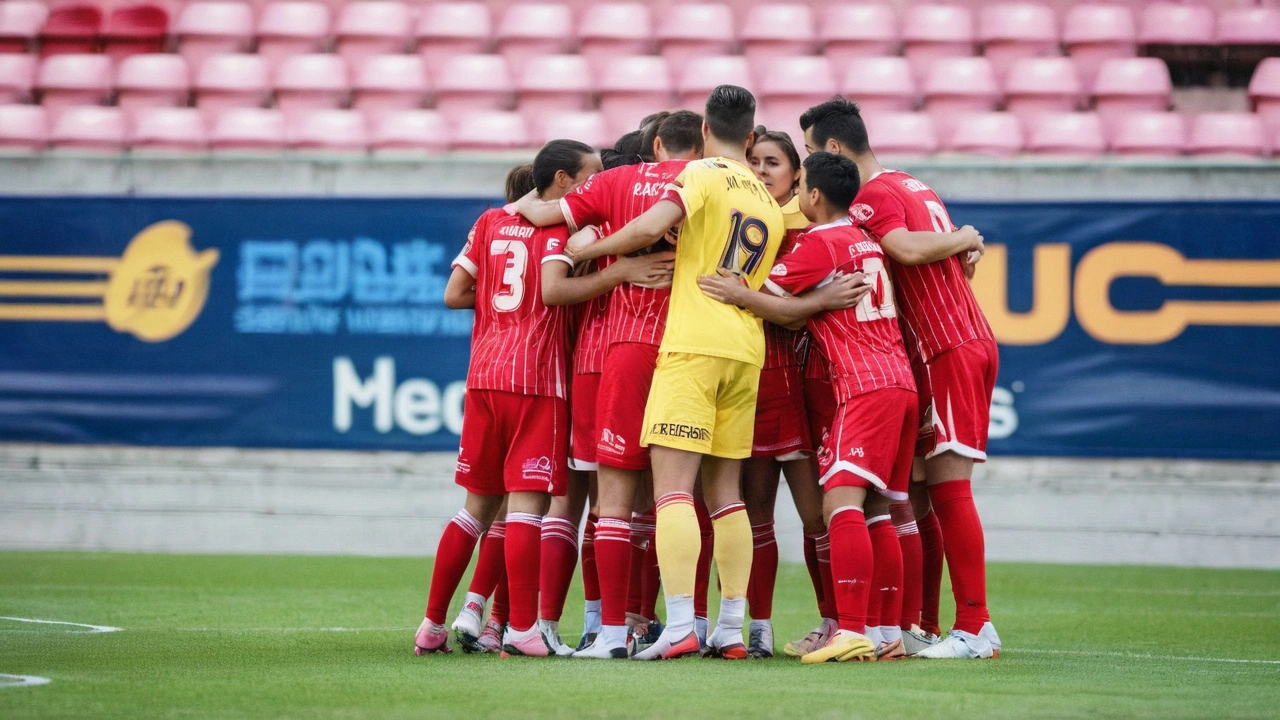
{"x": 782, "y": 346}
{"x": 616, "y": 197}
{"x": 863, "y": 344}
{"x": 518, "y": 344}
{"x": 593, "y": 339}
{"x": 935, "y": 297}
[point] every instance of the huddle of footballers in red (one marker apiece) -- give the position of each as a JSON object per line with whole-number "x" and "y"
{"x": 665, "y": 328}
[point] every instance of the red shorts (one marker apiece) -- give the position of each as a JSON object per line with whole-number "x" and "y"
{"x": 820, "y": 407}
{"x": 582, "y": 434}
{"x": 782, "y": 428}
{"x": 513, "y": 443}
{"x": 624, "y": 392}
{"x": 871, "y": 443}
{"x": 924, "y": 436}
{"x": 961, "y": 381}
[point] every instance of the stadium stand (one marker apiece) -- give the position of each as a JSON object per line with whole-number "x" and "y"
{"x": 168, "y": 129}
{"x": 311, "y": 82}
{"x": 903, "y": 134}
{"x": 958, "y": 86}
{"x": 701, "y": 75}
{"x": 550, "y": 83}
{"x": 931, "y": 32}
{"x": 89, "y": 128}
{"x": 532, "y": 29}
{"x": 1129, "y": 85}
{"x": 231, "y": 80}
{"x": 253, "y": 129}
{"x": 473, "y": 82}
{"x": 995, "y": 133}
{"x": 71, "y": 29}
{"x": 410, "y": 131}
{"x": 1038, "y": 85}
{"x": 292, "y": 28}
{"x": 152, "y": 80}
{"x": 453, "y": 29}
{"x": 490, "y": 130}
{"x": 23, "y": 127}
{"x": 135, "y": 30}
{"x": 849, "y": 31}
{"x": 1162, "y": 134}
{"x": 17, "y": 76}
{"x": 773, "y": 31}
{"x": 377, "y": 27}
{"x": 587, "y": 126}
{"x": 632, "y": 87}
{"x": 210, "y": 28}
{"x": 386, "y": 83}
{"x": 327, "y": 130}
{"x": 1014, "y": 31}
{"x": 611, "y": 29}
{"x": 881, "y": 84}
{"x": 687, "y": 31}
{"x": 1076, "y": 134}
{"x": 74, "y": 79}
{"x": 1229, "y": 134}
{"x": 20, "y": 23}
{"x": 1094, "y": 33}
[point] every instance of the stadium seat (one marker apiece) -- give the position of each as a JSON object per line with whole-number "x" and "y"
{"x": 1264, "y": 92}
{"x": 633, "y": 87}
{"x": 401, "y": 131}
{"x": 550, "y": 83}
{"x": 328, "y": 130}
{"x": 247, "y": 129}
{"x": 880, "y": 84}
{"x": 701, "y": 75}
{"x": 453, "y": 28}
{"x": 1018, "y": 30}
{"x": 473, "y": 82}
{"x": 687, "y": 31}
{"x": 1039, "y": 85}
{"x": 152, "y": 80}
{"x": 23, "y": 127}
{"x": 68, "y": 80}
{"x": 994, "y": 133}
{"x": 168, "y": 129}
{"x": 71, "y": 29}
{"x": 784, "y": 99}
{"x": 491, "y": 130}
{"x": 1228, "y": 134}
{"x": 17, "y": 77}
{"x": 231, "y": 81}
{"x": 771, "y": 31}
{"x": 376, "y": 27}
{"x": 1248, "y": 36}
{"x": 955, "y": 86}
{"x": 1149, "y": 133}
{"x": 20, "y": 23}
{"x": 212, "y": 28}
{"x": 1076, "y": 134}
{"x": 933, "y": 31}
{"x": 848, "y": 31}
{"x": 135, "y": 30}
{"x": 318, "y": 81}
{"x": 1095, "y": 32}
{"x": 292, "y": 28}
{"x": 1183, "y": 36}
{"x": 99, "y": 129}
{"x": 1130, "y": 85}
{"x": 386, "y": 83}
{"x": 529, "y": 29}
{"x": 614, "y": 29}
{"x": 588, "y": 127}
{"x": 901, "y": 133}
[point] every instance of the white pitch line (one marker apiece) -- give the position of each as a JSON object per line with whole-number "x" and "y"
{"x": 1145, "y": 656}
{"x": 92, "y": 628}
{"x": 22, "y": 680}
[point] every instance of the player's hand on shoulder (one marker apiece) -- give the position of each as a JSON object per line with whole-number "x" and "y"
{"x": 723, "y": 287}
{"x": 654, "y": 270}
{"x": 844, "y": 292}
{"x": 580, "y": 240}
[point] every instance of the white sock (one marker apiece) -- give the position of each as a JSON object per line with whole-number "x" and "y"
{"x": 679, "y": 615}
{"x": 761, "y": 624}
{"x": 700, "y": 627}
{"x": 732, "y": 613}
{"x": 592, "y": 606}
{"x": 874, "y": 634}
{"x": 890, "y": 633}
{"x": 521, "y": 634}
{"x": 476, "y": 598}
{"x": 613, "y": 636}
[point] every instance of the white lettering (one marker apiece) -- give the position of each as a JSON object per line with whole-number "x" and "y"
{"x": 454, "y": 394}
{"x": 416, "y": 406}
{"x": 1004, "y": 418}
{"x": 348, "y": 389}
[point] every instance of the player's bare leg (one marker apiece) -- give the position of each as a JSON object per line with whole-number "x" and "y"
{"x": 524, "y": 545}
{"x": 616, "y": 493}
{"x": 851, "y": 567}
{"x": 722, "y": 488}
{"x": 559, "y": 557}
{"x": 760, "y": 494}
{"x": 453, "y": 554}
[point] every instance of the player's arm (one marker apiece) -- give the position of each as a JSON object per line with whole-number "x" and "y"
{"x": 642, "y": 232}
{"x": 787, "y": 311}
{"x": 460, "y": 291}
{"x": 919, "y": 247}
{"x": 540, "y": 213}
{"x": 560, "y": 287}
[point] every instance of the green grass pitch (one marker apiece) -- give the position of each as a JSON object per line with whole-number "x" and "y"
{"x": 236, "y": 636}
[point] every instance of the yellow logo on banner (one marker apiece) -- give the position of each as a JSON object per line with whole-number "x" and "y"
{"x": 154, "y": 291}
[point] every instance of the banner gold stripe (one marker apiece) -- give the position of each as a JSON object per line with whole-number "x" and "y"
{"x": 70, "y": 313}
{"x": 52, "y": 289}
{"x": 54, "y": 263}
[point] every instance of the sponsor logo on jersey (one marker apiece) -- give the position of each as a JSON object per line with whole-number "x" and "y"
{"x": 612, "y": 441}
{"x": 678, "y": 430}
{"x": 464, "y": 468}
{"x": 914, "y": 185}
{"x": 779, "y": 270}
{"x": 538, "y": 468}
{"x": 857, "y": 452}
{"x": 861, "y": 212}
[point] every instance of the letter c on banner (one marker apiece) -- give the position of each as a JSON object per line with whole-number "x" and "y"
{"x": 1050, "y": 304}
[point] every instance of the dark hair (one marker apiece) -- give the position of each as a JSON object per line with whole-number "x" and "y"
{"x": 784, "y": 141}
{"x": 840, "y": 119}
{"x": 835, "y": 176}
{"x": 519, "y": 181}
{"x": 555, "y": 156}
{"x": 628, "y": 144}
{"x": 681, "y": 132}
{"x": 611, "y": 158}
{"x": 649, "y": 131}
{"x": 731, "y": 113}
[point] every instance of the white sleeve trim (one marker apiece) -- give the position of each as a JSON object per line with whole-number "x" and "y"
{"x": 465, "y": 263}
{"x": 776, "y": 289}
{"x": 560, "y": 258}
{"x": 568, "y": 217}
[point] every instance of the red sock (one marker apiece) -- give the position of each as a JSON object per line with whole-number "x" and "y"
{"x": 524, "y": 546}
{"x": 764, "y": 571}
{"x": 559, "y": 558}
{"x": 851, "y": 566}
{"x": 827, "y": 603}
{"x": 650, "y": 582}
{"x": 590, "y": 576}
{"x": 702, "y": 576}
{"x": 904, "y": 522}
{"x": 965, "y": 551}
{"x": 492, "y": 562}
{"x": 500, "y": 612}
{"x": 930, "y": 571}
{"x": 886, "y": 575}
{"x": 453, "y": 555}
{"x": 613, "y": 557}
{"x": 643, "y": 527}
{"x": 811, "y": 562}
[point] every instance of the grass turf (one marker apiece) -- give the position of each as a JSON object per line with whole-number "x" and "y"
{"x": 237, "y": 636}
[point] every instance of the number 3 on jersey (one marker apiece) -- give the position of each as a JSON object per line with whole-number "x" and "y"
{"x": 511, "y": 294}
{"x": 745, "y": 245}
{"x": 878, "y": 303}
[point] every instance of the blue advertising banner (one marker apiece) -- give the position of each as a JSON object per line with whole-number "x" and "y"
{"x": 1126, "y": 329}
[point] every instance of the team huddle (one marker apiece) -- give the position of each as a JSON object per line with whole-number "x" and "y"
{"x": 662, "y": 331}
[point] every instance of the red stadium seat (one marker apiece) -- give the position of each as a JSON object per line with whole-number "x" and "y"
{"x": 1066, "y": 134}
{"x": 154, "y": 80}
{"x": 1228, "y": 134}
{"x": 292, "y": 28}
{"x": 699, "y": 76}
{"x": 1094, "y": 33}
{"x": 465, "y": 83}
{"x": 995, "y": 133}
{"x": 588, "y": 127}
{"x": 1150, "y": 134}
{"x": 231, "y": 81}
{"x": 1264, "y": 92}
{"x": 17, "y": 77}
{"x": 1168, "y": 23}
{"x": 415, "y": 131}
{"x": 99, "y": 129}
{"x": 901, "y": 133}
{"x": 387, "y": 83}
{"x": 550, "y": 83}
{"x": 453, "y": 28}
{"x": 135, "y": 30}
{"x": 771, "y": 31}
{"x": 955, "y": 86}
{"x": 529, "y": 29}
{"x": 792, "y": 85}
{"x": 213, "y": 28}
{"x": 23, "y": 127}
{"x": 491, "y": 130}
{"x": 328, "y": 130}
{"x": 69, "y": 80}
{"x": 20, "y": 23}
{"x": 168, "y": 129}
{"x": 848, "y": 31}
{"x": 1130, "y": 85}
{"x": 880, "y": 84}
{"x": 614, "y": 29}
{"x": 71, "y": 29}
{"x": 1249, "y": 26}
{"x": 633, "y": 87}
{"x": 932, "y": 31}
{"x": 318, "y": 81}
{"x": 376, "y": 27}
{"x": 1039, "y": 85}
{"x": 248, "y": 129}
{"x": 1013, "y": 31}
{"x": 687, "y": 31}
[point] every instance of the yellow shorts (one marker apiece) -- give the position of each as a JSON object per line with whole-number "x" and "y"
{"x": 703, "y": 404}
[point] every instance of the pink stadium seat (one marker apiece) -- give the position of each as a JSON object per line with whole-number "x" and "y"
{"x": 99, "y": 129}
{"x": 171, "y": 129}
{"x": 1264, "y": 91}
{"x": 932, "y": 31}
{"x": 792, "y": 85}
{"x": 20, "y": 23}
{"x": 995, "y": 133}
{"x": 1249, "y": 26}
{"x": 23, "y": 127}
{"x": 687, "y": 31}
{"x": 633, "y": 87}
{"x": 901, "y": 133}
{"x": 1093, "y": 33}
{"x": 231, "y": 81}
{"x": 318, "y": 81}
{"x": 1168, "y": 23}
{"x": 955, "y": 86}
{"x": 248, "y": 129}
{"x": 1130, "y": 85}
{"x": 71, "y": 29}
{"x": 328, "y": 130}
{"x": 212, "y": 28}
{"x": 401, "y": 131}
{"x": 386, "y": 83}
{"x": 17, "y": 76}
{"x": 376, "y": 27}
{"x": 609, "y": 29}
{"x": 588, "y": 127}
{"x": 1149, "y": 133}
{"x": 153, "y": 80}
{"x": 771, "y": 31}
{"x": 1229, "y": 134}
{"x": 1016, "y": 31}
{"x": 453, "y": 28}
{"x": 491, "y": 130}
{"x": 1039, "y": 85}
{"x": 550, "y": 83}
{"x": 701, "y": 75}
{"x": 69, "y": 80}
{"x": 473, "y": 82}
{"x": 529, "y": 29}
{"x": 1066, "y": 134}
{"x": 880, "y": 84}
{"x": 292, "y": 28}
{"x": 135, "y": 30}
{"x": 847, "y": 31}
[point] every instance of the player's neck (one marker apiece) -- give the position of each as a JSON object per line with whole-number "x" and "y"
{"x": 826, "y": 215}
{"x": 868, "y": 166}
{"x": 718, "y": 148}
